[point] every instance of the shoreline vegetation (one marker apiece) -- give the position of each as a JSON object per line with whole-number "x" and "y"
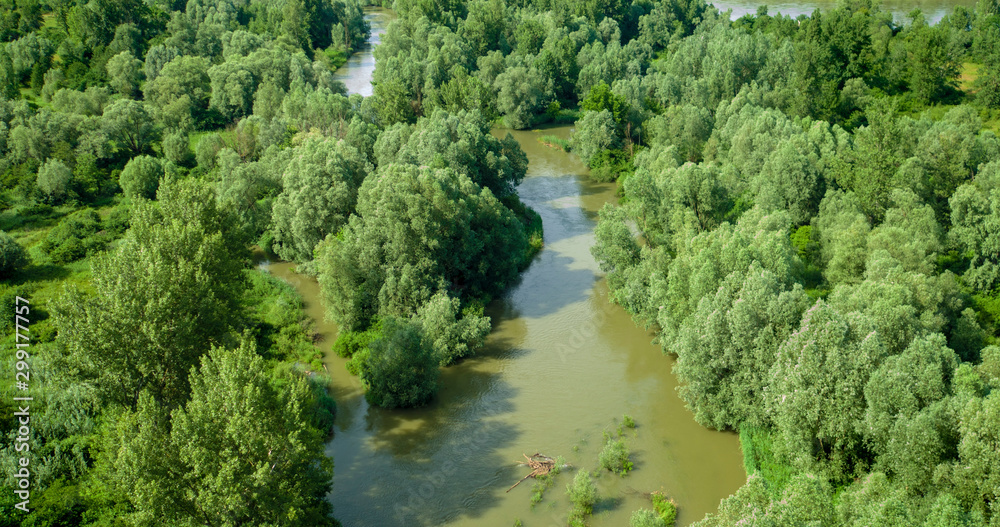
{"x": 817, "y": 199}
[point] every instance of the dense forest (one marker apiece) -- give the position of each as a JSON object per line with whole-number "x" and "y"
{"x": 808, "y": 220}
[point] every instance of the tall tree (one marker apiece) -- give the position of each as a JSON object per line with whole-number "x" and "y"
{"x": 170, "y": 289}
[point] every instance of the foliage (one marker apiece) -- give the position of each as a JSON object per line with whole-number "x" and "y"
{"x": 645, "y": 518}
{"x": 76, "y": 236}
{"x": 615, "y": 457}
{"x": 141, "y": 177}
{"x": 230, "y": 458}
{"x": 665, "y": 508}
{"x": 128, "y": 336}
{"x": 583, "y": 495}
{"x": 392, "y": 257}
{"x": 321, "y": 186}
{"x": 54, "y": 180}
{"x": 400, "y": 369}
{"x": 12, "y": 255}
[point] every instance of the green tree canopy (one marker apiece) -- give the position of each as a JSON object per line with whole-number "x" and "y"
{"x": 417, "y": 230}
{"x": 321, "y": 184}
{"x": 239, "y": 452}
{"x": 169, "y": 290}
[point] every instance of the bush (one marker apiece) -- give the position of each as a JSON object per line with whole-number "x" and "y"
{"x": 350, "y": 342}
{"x": 401, "y": 369}
{"x": 628, "y": 421}
{"x": 615, "y": 457}
{"x": 75, "y": 237}
{"x": 12, "y": 255}
{"x": 645, "y": 518}
{"x": 583, "y": 494}
{"x": 118, "y": 221}
{"x": 665, "y": 508}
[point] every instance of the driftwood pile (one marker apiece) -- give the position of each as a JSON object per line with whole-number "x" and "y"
{"x": 540, "y": 466}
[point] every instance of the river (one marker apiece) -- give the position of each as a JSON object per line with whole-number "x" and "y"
{"x": 561, "y": 366}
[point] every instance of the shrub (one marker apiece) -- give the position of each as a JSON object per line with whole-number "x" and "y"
{"x": 12, "y": 255}
{"x": 665, "y": 508}
{"x": 628, "y": 421}
{"x": 615, "y": 457}
{"x": 118, "y": 221}
{"x": 583, "y": 494}
{"x": 75, "y": 237}
{"x": 350, "y": 342}
{"x": 645, "y": 518}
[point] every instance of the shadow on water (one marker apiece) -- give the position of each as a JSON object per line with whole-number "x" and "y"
{"x": 438, "y": 490}
{"x": 550, "y": 285}
{"x": 426, "y": 466}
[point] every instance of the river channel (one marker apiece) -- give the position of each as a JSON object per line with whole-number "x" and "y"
{"x": 560, "y": 368}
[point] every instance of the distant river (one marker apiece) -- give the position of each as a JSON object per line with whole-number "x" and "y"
{"x": 933, "y": 10}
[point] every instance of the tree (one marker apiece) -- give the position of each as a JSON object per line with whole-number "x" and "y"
{"x": 453, "y": 334}
{"x": 905, "y": 384}
{"x": 141, "y": 177}
{"x": 125, "y": 73}
{"x": 54, "y": 180}
{"x": 977, "y": 472}
{"x": 416, "y": 231}
{"x": 791, "y": 179}
{"x": 239, "y": 451}
{"x": 819, "y": 375}
{"x": 176, "y": 148}
{"x": 975, "y": 218}
{"x": 320, "y": 191}
{"x": 182, "y": 87}
{"x": 12, "y": 255}
{"x": 521, "y": 93}
{"x": 910, "y": 233}
{"x": 460, "y": 141}
{"x": 130, "y": 125}
{"x": 401, "y": 369}
{"x": 725, "y": 350}
{"x": 842, "y": 230}
{"x": 596, "y": 132}
{"x": 169, "y": 290}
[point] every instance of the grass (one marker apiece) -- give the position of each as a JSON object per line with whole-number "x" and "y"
{"x": 552, "y": 141}
{"x": 967, "y": 76}
{"x": 759, "y": 458}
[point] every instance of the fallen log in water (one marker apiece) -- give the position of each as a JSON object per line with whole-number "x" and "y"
{"x": 540, "y": 465}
